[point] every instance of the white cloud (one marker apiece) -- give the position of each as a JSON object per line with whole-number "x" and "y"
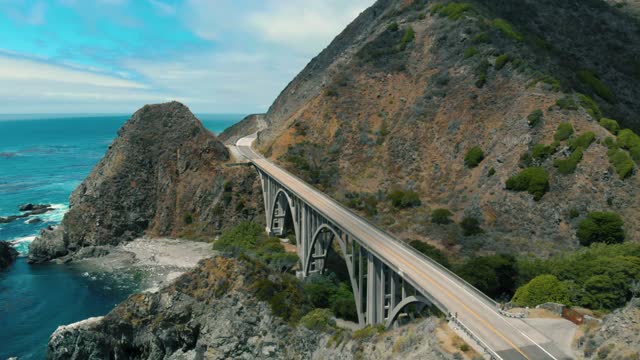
{"x": 163, "y": 8}
{"x": 305, "y": 26}
{"x": 26, "y": 69}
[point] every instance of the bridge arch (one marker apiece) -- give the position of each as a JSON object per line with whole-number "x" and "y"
{"x": 323, "y": 229}
{"x": 413, "y": 299}
{"x": 278, "y": 222}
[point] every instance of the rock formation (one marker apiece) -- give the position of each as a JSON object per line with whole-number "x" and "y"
{"x": 7, "y": 254}
{"x": 210, "y": 313}
{"x": 163, "y": 175}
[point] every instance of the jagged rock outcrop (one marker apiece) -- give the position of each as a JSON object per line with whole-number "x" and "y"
{"x": 163, "y": 175}
{"x": 210, "y": 313}
{"x": 406, "y": 91}
{"x": 249, "y": 125}
{"x": 618, "y": 337}
{"x": 7, "y": 254}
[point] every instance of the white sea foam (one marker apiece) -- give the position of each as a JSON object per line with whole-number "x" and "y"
{"x": 22, "y": 244}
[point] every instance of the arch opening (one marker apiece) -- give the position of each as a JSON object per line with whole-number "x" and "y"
{"x": 412, "y": 307}
{"x": 282, "y": 223}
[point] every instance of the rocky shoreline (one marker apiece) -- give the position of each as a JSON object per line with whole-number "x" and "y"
{"x": 28, "y": 210}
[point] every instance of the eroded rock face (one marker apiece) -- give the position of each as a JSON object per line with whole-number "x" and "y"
{"x": 163, "y": 175}
{"x": 7, "y": 254}
{"x": 210, "y": 313}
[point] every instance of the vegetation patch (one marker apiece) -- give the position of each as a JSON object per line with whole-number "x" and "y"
{"x": 535, "y": 118}
{"x": 363, "y": 201}
{"x": 494, "y": 275}
{"x": 471, "y": 226}
{"x": 482, "y": 71}
{"x": 546, "y": 79}
{"x": 481, "y": 38}
{"x": 431, "y": 251}
{"x": 564, "y": 132}
{"x": 590, "y": 105}
{"x": 474, "y": 157}
{"x": 403, "y": 199}
{"x": 568, "y": 166}
{"x": 567, "y": 103}
{"x": 542, "y": 289}
{"x": 534, "y": 180}
{"x": 583, "y": 141}
{"x": 453, "y": 10}
{"x": 506, "y": 28}
{"x": 318, "y": 320}
{"x": 368, "y": 332}
{"x": 470, "y": 52}
{"x": 590, "y": 79}
{"x": 541, "y": 151}
{"x": 501, "y": 61}
{"x": 611, "y": 125}
{"x": 329, "y": 292}
{"x": 601, "y": 227}
{"x": 441, "y": 216}
{"x": 621, "y": 162}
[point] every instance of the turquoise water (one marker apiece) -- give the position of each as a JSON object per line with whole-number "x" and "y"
{"x": 42, "y": 159}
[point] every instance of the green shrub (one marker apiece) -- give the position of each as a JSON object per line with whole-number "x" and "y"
{"x": 404, "y": 199}
{"x": 494, "y": 275}
{"x": 534, "y": 180}
{"x": 368, "y": 332}
{"x": 470, "y": 226}
{"x": 542, "y": 289}
{"x": 547, "y": 79}
{"x": 491, "y": 172}
{"x": 318, "y": 320}
{"x": 621, "y": 162}
{"x": 604, "y": 227}
{"x": 481, "y": 71}
{"x": 590, "y": 105}
{"x": 507, "y": 29}
{"x": 635, "y": 154}
{"x": 542, "y": 151}
{"x": 535, "y": 118}
{"x": 470, "y": 52}
{"x": 343, "y": 304}
{"x": 502, "y": 60}
{"x": 567, "y": 103}
{"x": 610, "y": 125}
{"x": 465, "y": 347}
{"x": 627, "y": 139}
{"x": 569, "y": 165}
{"x": 604, "y": 292}
{"x": 441, "y": 216}
{"x": 564, "y": 131}
{"x": 474, "y": 157}
{"x": 431, "y": 251}
{"x": 393, "y": 26}
{"x": 244, "y": 236}
{"x": 453, "y": 10}
{"x": 409, "y": 35}
{"x": 574, "y": 213}
{"x": 188, "y": 218}
{"x": 481, "y": 38}
{"x": 590, "y": 79}
{"x": 582, "y": 141}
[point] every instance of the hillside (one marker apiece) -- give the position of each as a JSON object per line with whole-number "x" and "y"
{"x": 164, "y": 175}
{"x": 384, "y": 118}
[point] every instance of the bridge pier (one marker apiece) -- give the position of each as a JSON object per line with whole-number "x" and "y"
{"x": 381, "y": 294}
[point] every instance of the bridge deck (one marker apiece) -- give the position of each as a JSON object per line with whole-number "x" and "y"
{"x": 472, "y": 309}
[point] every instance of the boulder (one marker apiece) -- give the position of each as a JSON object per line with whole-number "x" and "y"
{"x": 7, "y": 254}
{"x": 50, "y": 245}
{"x": 35, "y": 220}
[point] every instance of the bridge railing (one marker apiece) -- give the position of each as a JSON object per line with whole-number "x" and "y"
{"x": 492, "y": 303}
{"x": 492, "y": 354}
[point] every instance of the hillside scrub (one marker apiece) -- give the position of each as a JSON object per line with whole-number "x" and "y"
{"x": 453, "y": 10}
{"x": 542, "y": 289}
{"x": 470, "y": 226}
{"x": 583, "y": 141}
{"x": 403, "y": 199}
{"x": 534, "y": 180}
{"x": 506, "y": 29}
{"x": 569, "y": 165}
{"x": 494, "y": 275}
{"x": 535, "y": 118}
{"x": 599, "y": 276}
{"x": 591, "y": 80}
{"x": 474, "y": 157}
{"x": 441, "y": 216}
{"x": 431, "y": 251}
{"x": 605, "y": 227}
{"x": 564, "y": 132}
{"x": 621, "y": 162}
{"x": 501, "y": 61}
{"x": 611, "y": 125}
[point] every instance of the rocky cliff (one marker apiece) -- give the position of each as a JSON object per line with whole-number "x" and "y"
{"x": 7, "y": 254}
{"x": 411, "y": 89}
{"x": 248, "y": 125}
{"x": 210, "y": 313}
{"x": 163, "y": 175}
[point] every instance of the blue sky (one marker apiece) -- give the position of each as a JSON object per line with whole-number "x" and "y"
{"x": 92, "y": 56}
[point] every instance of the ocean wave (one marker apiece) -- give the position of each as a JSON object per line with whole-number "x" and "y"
{"x": 21, "y": 244}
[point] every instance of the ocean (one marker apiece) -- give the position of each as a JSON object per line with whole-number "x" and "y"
{"x": 43, "y": 158}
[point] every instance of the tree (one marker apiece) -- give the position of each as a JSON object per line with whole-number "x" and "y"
{"x": 474, "y": 156}
{"x": 605, "y": 227}
{"x": 431, "y": 251}
{"x": 534, "y": 180}
{"x": 604, "y": 292}
{"x": 441, "y": 216}
{"x": 494, "y": 275}
{"x": 470, "y": 226}
{"x": 542, "y": 289}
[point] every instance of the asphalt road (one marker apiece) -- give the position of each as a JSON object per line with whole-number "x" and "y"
{"x": 508, "y": 338}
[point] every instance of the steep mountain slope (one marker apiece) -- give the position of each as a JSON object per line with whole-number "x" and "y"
{"x": 163, "y": 175}
{"x": 397, "y": 101}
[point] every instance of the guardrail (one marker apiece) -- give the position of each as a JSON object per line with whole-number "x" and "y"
{"x": 492, "y": 354}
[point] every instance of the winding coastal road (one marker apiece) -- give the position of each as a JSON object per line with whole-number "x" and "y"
{"x": 507, "y": 338}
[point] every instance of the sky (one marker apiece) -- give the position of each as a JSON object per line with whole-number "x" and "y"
{"x": 114, "y": 56}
